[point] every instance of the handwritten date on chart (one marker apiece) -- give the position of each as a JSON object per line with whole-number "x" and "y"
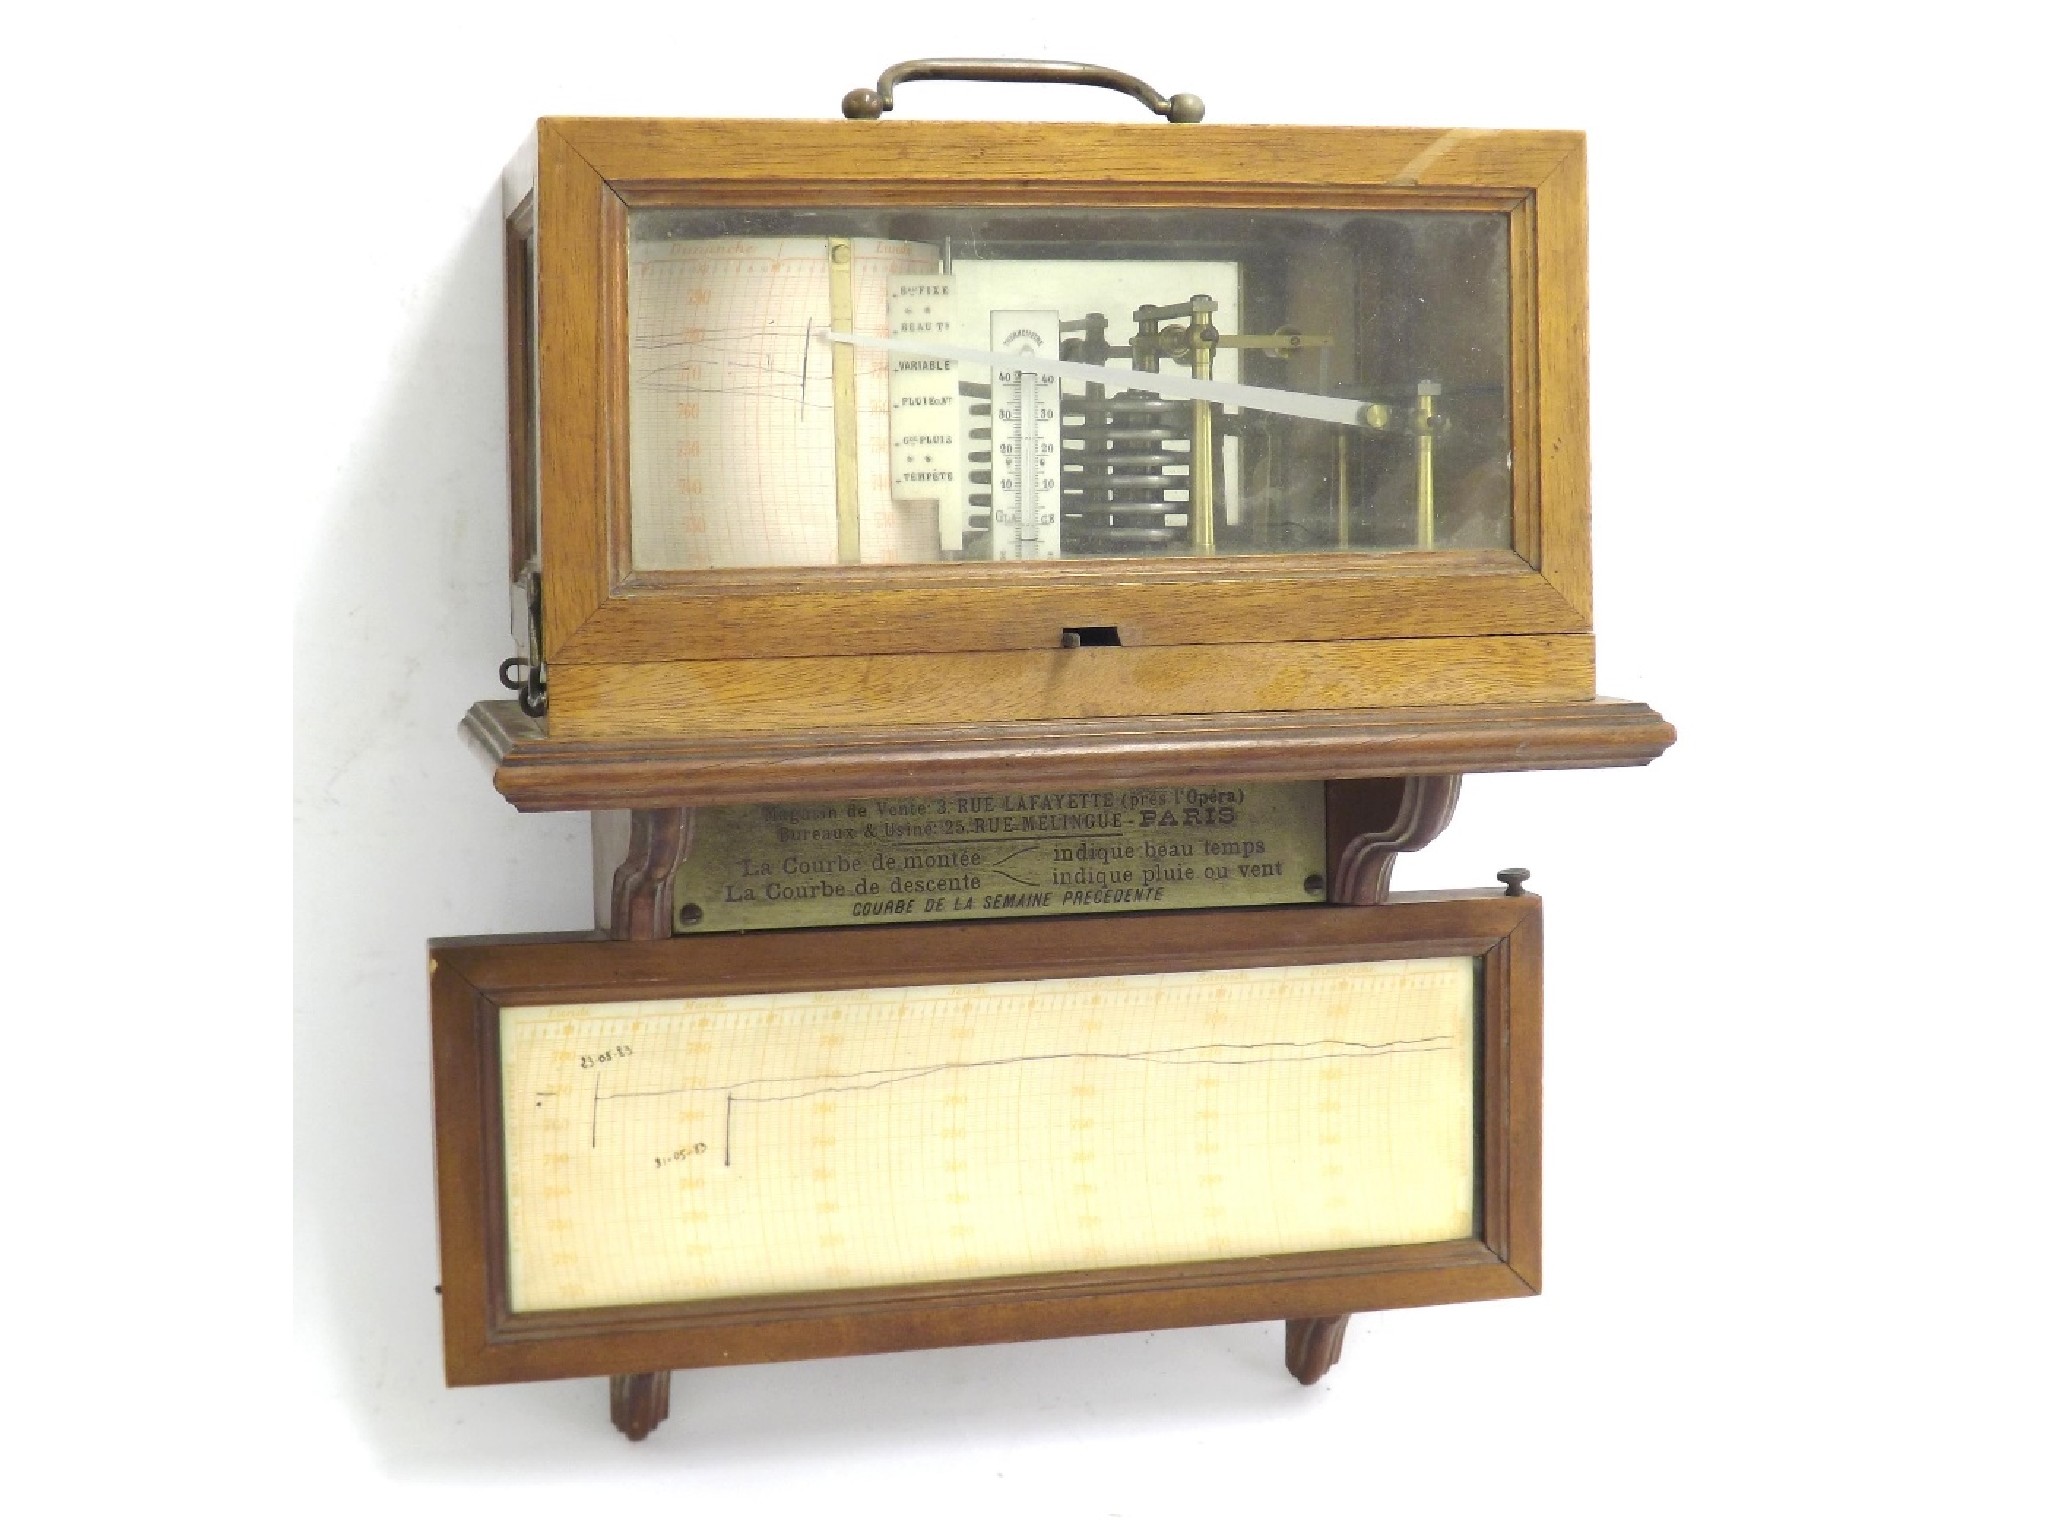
{"x": 681, "y": 1154}
{"x": 604, "y": 1057}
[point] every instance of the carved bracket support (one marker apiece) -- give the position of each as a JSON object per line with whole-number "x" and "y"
{"x": 1402, "y": 820}
{"x": 643, "y": 886}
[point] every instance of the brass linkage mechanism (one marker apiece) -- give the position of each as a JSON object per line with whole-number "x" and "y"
{"x": 1116, "y": 497}
{"x": 1116, "y": 488}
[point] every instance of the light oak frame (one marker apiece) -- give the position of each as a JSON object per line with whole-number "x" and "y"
{"x": 719, "y": 653}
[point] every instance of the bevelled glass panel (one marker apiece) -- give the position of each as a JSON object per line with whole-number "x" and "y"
{"x": 816, "y": 387}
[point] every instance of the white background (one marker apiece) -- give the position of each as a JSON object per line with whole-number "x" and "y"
{"x": 254, "y": 382}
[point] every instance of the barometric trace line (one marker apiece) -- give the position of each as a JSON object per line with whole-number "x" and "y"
{"x": 888, "y": 1077}
{"x": 899, "y": 1074}
{"x": 1140, "y": 1058}
{"x": 803, "y": 388}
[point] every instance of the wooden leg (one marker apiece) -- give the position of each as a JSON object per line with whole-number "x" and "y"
{"x": 641, "y": 1402}
{"x": 1313, "y": 1345}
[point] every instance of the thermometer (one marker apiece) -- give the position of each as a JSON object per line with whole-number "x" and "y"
{"x": 1024, "y": 472}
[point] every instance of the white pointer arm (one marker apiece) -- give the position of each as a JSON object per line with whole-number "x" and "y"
{"x": 1255, "y": 397}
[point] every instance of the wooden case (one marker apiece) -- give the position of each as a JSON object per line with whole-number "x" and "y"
{"x": 475, "y": 980}
{"x": 920, "y": 651}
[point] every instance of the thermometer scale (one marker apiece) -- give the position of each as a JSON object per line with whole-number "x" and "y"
{"x": 1024, "y": 489}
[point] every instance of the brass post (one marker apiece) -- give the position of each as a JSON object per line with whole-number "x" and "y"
{"x": 1262, "y": 504}
{"x": 1425, "y": 463}
{"x": 1343, "y": 487}
{"x": 1202, "y": 467}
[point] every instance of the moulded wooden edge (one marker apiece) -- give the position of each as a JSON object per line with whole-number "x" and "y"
{"x": 536, "y": 773}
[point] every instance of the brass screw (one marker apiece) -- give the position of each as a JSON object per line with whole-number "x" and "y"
{"x": 690, "y": 915}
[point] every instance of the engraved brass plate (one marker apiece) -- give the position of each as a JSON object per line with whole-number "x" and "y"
{"x": 943, "y": 858}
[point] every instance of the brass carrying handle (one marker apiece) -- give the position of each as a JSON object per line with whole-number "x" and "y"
{"x": 865, "y": 103}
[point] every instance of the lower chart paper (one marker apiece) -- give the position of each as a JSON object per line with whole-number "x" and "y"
{"x": 680, "y": 1150}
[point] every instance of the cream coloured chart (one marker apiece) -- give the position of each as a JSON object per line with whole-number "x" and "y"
{"x": 679, "y": 1150}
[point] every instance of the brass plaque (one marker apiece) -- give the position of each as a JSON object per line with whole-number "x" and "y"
{"x": 943, "y": 858}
